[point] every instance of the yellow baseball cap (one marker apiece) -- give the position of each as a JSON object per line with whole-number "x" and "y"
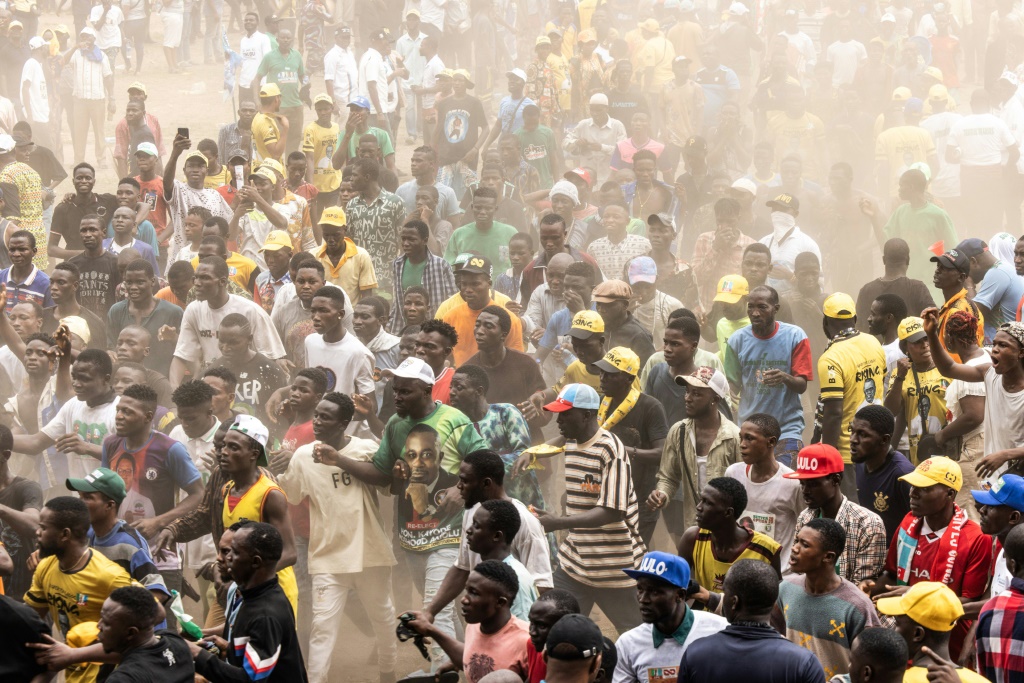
{"x": 901, "y": 94}
{"x": 270, "y": 90}
{"x": 264, "y": 173}
{"x": 620, "y": 359}
{"x": 323, "y": 97}
{"x": 542, "y": 40}
{"x": 195, "y": 154}
{"x": 273, "y": 164}
{"x": 936, "y": 470}
{"x": 82, "y": 634}
{"x": 911, "y": 329}
{"x": 277, "y": 240}
{"x": 140, "y": 86}
{"x": 586, "y": 324}
{"x": 731, "y": 289}
{"x": 333, "y": 215}
{"x": 929, "y": 603}
{"x": 840, "y": 306}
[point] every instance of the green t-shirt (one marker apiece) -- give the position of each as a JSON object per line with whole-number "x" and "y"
{"x": 456, "y": 438}
{"x": 383, "y": 139}
{"x": 725, "y": 329}
{"x": 534, "y": 146}
{"x": 412, "y": 274}
{"x": 492, "y": 244}
{"x": 287, "y": 72}
{"x": 921, "y": 228}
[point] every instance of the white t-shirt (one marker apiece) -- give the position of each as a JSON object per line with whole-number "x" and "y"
{"x": 530, "y": 546}
{"x": 1004, "y": 419}
{"x": 340, "y": 68}
{"x": 845, "y": 58}
{"x": 348, "y": 363}
{"x": 772, "y": 506}
{"x": 1001, "y": 576}
{"x": 432, "y": 12}
{"x": 198, "y": 339}
{"x": 640, "y": 661}
{"x": 13, "y": 366}
{"x": 91, "y": 423}
{"x": 109, "y": 34}
{"x": 958, "y": 389}
{"x": 252, "y": 50}
{"x": 981, "y": 138}
{"x": 430, "y": 71}
{"x": 373, "y": 68}
{"x": 1012, "y": 114}
{"x": 360, "y": 542}
{"x": 946, "y": 182}
{"x": 33, "y": 73}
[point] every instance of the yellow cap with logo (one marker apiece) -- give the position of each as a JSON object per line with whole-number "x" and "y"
{"x": 936, "y": 470}
{"x": 911, "y": 329}
{"x": 731, "y": 289}
{"x": 333, "y": 215}
{"x": 620, "y": 359}
{"x": 586, "y": 324}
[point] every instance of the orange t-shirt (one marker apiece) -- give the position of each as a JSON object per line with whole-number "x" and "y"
{"x": 463, "y": 319}
{"x": 167, "y": 295}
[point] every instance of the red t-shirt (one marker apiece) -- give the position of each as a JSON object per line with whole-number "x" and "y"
{"x": 442, "y": 386}
{"x": 299, "y": 435}
{"x": 537, "y": 669}
{"x": 153, "y": 194}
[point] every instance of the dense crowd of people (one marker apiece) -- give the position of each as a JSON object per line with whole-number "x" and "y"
{"x": 397, "y": 357}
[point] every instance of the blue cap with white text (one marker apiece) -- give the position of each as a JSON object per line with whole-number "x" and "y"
{"x": 665, "y": 566}
{"x": 1008, "y": 491}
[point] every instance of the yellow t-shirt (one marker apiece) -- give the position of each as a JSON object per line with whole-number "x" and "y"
{"x": 709, "y": 571}
{"x": 804, "y": 136}
{"x": 853, "y": 370}
{"x": 901, "y": 147}
{"x": 657, "y": 53}
{"x": 265, "y": 131}
{"x": 240, "y": 269}
{"x": 75, "y": 598}
{"x": 932, "y": 402}
{"x": 320, "y": 142}
{"x": 354, "y": 272}
{"x": 250, "y": 506}
{"x": 214, "y": 181}
{"x": 919, "y": 674}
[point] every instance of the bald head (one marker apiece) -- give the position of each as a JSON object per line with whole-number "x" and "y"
{"x": 560, "y": 261}
{"x": 502, "y": 676}
{"x": 896, "y": 251}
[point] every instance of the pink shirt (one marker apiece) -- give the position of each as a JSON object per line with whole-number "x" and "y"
{"x": 505, "y": 649}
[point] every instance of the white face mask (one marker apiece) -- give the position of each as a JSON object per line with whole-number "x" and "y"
{"x": 781, "y": 224}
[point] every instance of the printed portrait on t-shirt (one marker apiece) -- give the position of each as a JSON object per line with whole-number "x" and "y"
{"x": 135, "y": 505}
{"x": 870, "y": 394}
{"x": 423, "y": 525}
{"x": 456, "y": 125}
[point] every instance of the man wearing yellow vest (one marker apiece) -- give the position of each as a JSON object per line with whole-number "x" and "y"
{"x": 251, "y": 494}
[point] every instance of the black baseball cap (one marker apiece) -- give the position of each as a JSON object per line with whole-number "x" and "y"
{"x": 954, "y": 259}
{"x": 574, "y": 637}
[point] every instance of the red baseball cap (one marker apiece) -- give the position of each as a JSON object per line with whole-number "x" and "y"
{"x": 816, "y": 461}
{"x": 581, "y": 173}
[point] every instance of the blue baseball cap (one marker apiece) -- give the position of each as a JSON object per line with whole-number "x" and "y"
{"x": 972, "y": 247}
{"x": 665, "y": 566}
{"x": 360, "y": 101}
{"x": 1008, "y": 491}
{"x": 572, "y": 396}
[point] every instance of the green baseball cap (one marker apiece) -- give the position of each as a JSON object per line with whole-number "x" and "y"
{"x": 100, "y": 480}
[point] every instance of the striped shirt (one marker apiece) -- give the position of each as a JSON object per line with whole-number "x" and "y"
{"x": 598, "y": 474}
{"x": 88, "y": 76}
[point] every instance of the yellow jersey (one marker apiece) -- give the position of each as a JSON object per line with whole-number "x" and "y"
{"x": 919, "y": 674}
{"x": 709, "y": 571}
{"x": 215, "y": 180}
{"x": 930, "y": 402}
{"x": 852, "y": 369}
{"x": 320, "y": 143}
{"x": 74, "y": 598}
{"x": 250, "y": 506}
{"x": 265, "y": 131}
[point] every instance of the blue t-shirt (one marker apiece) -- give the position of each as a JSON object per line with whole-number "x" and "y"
{"x": 882, "y": 491}
{"x": 36, "y": 287}
{"x": 145, "y": 251}
{"x": 152, "y": 474}
{"x": 559, "y": 325}
{"x": 510, "y": 113}
{"x": 1000, "y": 292}
{"x": 748, "y": 356}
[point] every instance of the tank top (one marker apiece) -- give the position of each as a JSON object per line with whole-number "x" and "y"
{"x": 709, "y": 571}
{"x": 250, "y": 506}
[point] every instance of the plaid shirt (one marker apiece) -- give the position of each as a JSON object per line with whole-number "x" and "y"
{"x": 1001, "y": 636}
{"x": 866, "y": 545}
{"x": 438, "y": 280}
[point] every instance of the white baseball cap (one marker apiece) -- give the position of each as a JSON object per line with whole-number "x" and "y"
{"x": 415, "y": 368}
{"x": 745, "y": 184}
{"x": 36, "y": 42}
{"x": 599, "y": 98}
{"x": 518, "y": 73}
{"x": 251, "y": 426}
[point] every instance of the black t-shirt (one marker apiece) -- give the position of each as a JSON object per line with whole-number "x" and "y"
{"x": 257, "y": 380}
{"x": 43, "y": 162}
{"x": 623, "y": 104}
{"x": 20, "y": 624}
{"x": 97, "y": 282}
{"x": 67, "y": 217}
{"x": 632, "y": 335}
{"x": 460, "y": 121}
{"x": 641, "y": 427}
{"x": 513, "y": 381}
{"x": 21, "y": 494}
{"x": 915, "y": 295}
{"x": 883, "y": 492}
{"x": 166, "y": 661}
